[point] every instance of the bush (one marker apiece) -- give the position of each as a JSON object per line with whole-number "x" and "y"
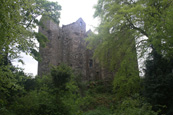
{"x": 99, "y": 111}
{"x": 134, "y": 106}
{"x": 61, "y": 75}
{"x": 158, "y": 83}
{"x": 39, "y": 103}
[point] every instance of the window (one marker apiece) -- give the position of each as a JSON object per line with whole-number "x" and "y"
{"x": 90, "y": 63}
{"x": 49, "y": 32}
{"x": 80, "y": 23}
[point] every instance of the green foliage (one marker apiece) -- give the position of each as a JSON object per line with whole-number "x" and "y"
{"x": 99, "y": 111}
{"x": 158, "y": 83}
{"x": 114, "y": 45}
{"x": 93, "y": 101}
{"x": 134, "y": 105}
{"x": 122, "y": 25}
{"x": 61, "y": 75}
{"x": 99, "y": 103}
{"x": 158, "y": 25}
{"x": 100, "y": 86}
{"x": 97, "y": 96}
{"x": 72, "y": 98}
{"x": 18, "y": 19}
{"x": 12, "y": 85}
{"x": 124, "y": 22}
{"x": 42, "y": 39}
{"x": 127, "y": 80}
{"x": 39, "y": 96}
{"x": 145, "y": 17}
{"x": 65, "y": 88}
{"x": 39, "y": 103}
{"x": 126, "y": 86}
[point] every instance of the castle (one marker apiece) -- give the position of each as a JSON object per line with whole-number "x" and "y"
{"x": 67, "y": 45}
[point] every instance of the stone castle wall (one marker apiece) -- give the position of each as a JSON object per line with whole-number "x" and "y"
{"x": 67, "y": 45}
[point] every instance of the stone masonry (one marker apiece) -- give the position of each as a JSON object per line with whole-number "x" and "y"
{"x": 67, "y": 45}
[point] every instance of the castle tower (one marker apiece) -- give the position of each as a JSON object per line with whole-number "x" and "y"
{"x": 74, "y": 45}
{"x": 49, "y": 54}
{"x": 67, "y": 45}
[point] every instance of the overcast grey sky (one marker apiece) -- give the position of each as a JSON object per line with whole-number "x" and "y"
{"x": 72, "y": 10}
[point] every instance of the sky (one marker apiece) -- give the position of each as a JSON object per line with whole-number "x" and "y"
{"x": 71, "y": 11}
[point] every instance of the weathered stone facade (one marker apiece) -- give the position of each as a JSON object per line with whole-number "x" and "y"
{"x": 67, "y": 45}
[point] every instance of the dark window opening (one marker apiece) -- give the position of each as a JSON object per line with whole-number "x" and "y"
{"x": 90, "y": 63}
{"x": 80, "y": 23}
{"x": 49, "y": 32}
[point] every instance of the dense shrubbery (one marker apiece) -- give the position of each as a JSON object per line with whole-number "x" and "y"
{"x": 41, "y": 95}
{"x": 134, "y": 105}
{"x": 123, "y": 22}
{"x": 124, "y": 25}
{"x": 158, "y": 88}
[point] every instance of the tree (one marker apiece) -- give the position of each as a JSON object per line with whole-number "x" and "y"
{"x": 123, "y": 23}
{"x": 158, "y": 83}
{"x": 114, "y": 45}
{"x": 61, "y": 75}
{"x": 145, "y": 17}
{"x": 158, "y": 26}
{"x": 18, "y": 19}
